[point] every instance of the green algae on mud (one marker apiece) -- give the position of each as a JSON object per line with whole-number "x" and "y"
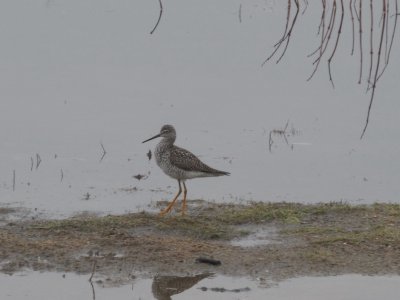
{"x": 325, "y": 238}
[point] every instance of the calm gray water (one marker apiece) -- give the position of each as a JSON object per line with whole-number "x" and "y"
{"x": 36, "y": 285}
{"x": 79, "y": 73}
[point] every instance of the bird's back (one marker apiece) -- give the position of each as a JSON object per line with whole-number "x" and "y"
{"x": 187, "y": 161}
{"x": 180, "y": 163}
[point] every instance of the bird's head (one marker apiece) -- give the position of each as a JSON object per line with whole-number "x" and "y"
{"x": 167, "y": 131}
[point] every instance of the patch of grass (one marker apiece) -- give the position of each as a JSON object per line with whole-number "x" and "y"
{"x": 324, "y": 234}
{"x": 290, "y": 213}
{"x": 259, "y": 212}
{"x": 320, "y": 255}
{"x": 388, "y": 209}
{"x": 313, "y": 230}
{"x": 310, "y": 237}
{"x": 7, "y": 210}
{"x": 197, "y": 227}
{"x": 96, "y": 224}
{"x": 322, "y": 223}
{"x": 332, "y": 207}
{"x": 379, "y": 235}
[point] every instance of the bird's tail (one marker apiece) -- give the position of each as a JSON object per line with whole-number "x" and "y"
{"x": 221, "y": 173}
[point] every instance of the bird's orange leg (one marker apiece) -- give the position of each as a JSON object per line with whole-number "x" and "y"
{"x": 184, "y": 199}
{"x": 172, "y": 203}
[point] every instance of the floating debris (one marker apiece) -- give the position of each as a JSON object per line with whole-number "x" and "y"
{"x": 223, "y": 290}
{"x": 149, "y": 154}
{"x": 140, "y": 177}
{"x": 210, "y": 261}
{"x": 129, "y": 189}
{"x": 284, "y": 133}
{"x": 38, "y": 160}
{"x": 104, "y": 152}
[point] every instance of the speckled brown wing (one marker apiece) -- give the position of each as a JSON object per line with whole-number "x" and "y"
{"x": 187, "y": 161}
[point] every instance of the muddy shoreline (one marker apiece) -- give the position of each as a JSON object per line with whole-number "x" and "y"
{"x": 315, "y": 239}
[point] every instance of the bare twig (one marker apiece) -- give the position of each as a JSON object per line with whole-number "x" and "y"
{"x": 371, "y": 43}
{"x": 359, "y": 14}
{"x": 38, "y": 160}
{"x": 62, "y": 175}
{"x": 289, "y": 34}
{"x": 336, "y": 43}
{"x": 13, "y": 180}
{"x": 384, "y": 16}
{"x": 277, "y": 45}
{"x": 286, "y": 34}
{"x": 321, "y": 23}
{"x": 394, "y": 30}
{"x": 104, "y": 152}
{"x": 386, "y": 31}
{"x": 270, "y": 141}
{"x": 305, "y": 7}
{"x": 324, "y": 40}
{"x": 159, "y": 17}
{"x": 31, "y": 163}
{"x": 321, "y": 30}
{"x": 392, "y": 39}
{"x": 352, "y": 26}
{"x": 379, "y": 52}
{"x": 280, "y": 132}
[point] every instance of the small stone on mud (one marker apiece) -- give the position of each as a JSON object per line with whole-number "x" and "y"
{"x": 140, "y": 176}
{"x": 209, "y": 261}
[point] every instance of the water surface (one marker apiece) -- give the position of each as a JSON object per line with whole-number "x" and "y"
{"x": 78, "y": 74}
{"x": 35, "y": 285}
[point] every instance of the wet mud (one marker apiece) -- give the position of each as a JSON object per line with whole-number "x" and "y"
{"x": 300, "y": 240}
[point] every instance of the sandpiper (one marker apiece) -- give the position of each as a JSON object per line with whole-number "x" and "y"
{"x": 179, "y": 164}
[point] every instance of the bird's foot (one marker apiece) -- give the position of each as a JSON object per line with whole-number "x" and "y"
{"x": 163, "y": 213}
{"x": 184, "y": 209}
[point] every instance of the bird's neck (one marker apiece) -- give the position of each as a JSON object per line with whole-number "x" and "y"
{"x": 167, "y": 142}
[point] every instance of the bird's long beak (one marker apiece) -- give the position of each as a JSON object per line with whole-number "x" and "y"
{"x": 152, "y": 138}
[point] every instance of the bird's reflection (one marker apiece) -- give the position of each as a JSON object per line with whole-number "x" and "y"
{"x": 164, "y": 287}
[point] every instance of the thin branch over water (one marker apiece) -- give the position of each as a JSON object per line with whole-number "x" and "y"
{"x": 287, "y": 32}
{"x": 329, "y": 31}
{"x": 13, "y": 180}
{"x": 384, "y": 16}
{"x": 159, "y": 17}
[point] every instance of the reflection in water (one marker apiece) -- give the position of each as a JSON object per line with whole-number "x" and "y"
{"x": 284, "y": 133}
{"x": 379, "y": 23}
{"x": 164, "y": 287}
{"x": 93, "y": 290}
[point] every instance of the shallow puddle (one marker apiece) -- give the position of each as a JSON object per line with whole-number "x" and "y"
{"x": 260, "y": 235}
{"x": 35, "y": 285}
